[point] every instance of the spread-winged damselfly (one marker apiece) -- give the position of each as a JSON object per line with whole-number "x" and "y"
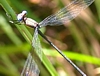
{"x": 63, "y": 16}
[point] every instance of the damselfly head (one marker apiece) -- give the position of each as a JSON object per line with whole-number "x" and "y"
{"x": 20, "y": 16}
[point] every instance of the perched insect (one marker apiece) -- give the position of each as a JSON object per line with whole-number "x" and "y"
{"x": 64, "y": 15}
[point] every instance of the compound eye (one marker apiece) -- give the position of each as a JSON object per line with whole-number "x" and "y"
{"x": 20, "y": 17}
{"x": 24, "y": 12}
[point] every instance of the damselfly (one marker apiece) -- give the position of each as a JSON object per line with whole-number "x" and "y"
{"x": 65, "y": 15}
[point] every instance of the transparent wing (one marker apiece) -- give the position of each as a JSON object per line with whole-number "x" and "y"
{"x": 30, "y": 67}
{"x": 67, "y": 13}
{"x": 36, "y": 43}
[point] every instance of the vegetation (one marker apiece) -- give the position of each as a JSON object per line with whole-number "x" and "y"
{"x": 79, "y": 39}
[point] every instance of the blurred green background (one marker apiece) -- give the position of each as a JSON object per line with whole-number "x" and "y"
{"x": 79, "y": 39}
